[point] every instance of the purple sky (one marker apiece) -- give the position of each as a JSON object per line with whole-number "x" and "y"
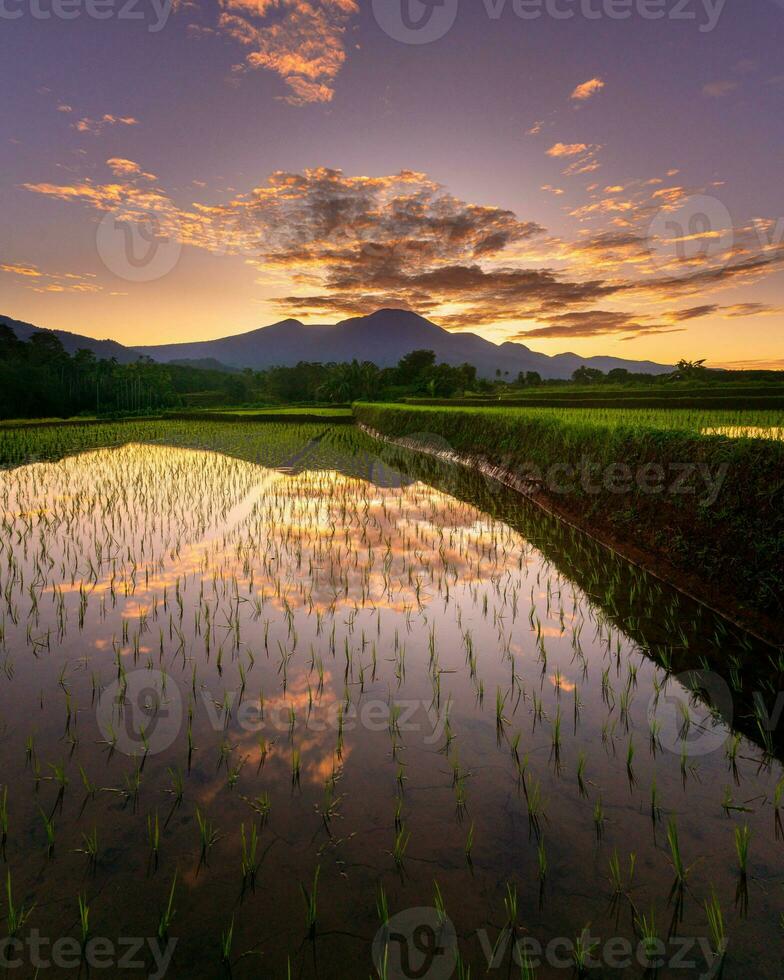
{"x": 595, "y": 184}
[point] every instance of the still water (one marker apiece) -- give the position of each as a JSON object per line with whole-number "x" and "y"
{"x": 331, "y": 711}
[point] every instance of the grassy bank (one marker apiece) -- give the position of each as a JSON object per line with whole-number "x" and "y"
{"x": 709, "y": 508}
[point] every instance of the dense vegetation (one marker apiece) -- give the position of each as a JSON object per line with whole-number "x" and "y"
{"x": 732, "y": 535}
{"x": 40, "y": 379}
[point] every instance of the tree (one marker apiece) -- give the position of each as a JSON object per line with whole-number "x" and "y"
{"x": 415, "y": 364}
{"x": 586, "y": 376}
{"x": 689, "y": 370}
{"x": 529, "y": 378}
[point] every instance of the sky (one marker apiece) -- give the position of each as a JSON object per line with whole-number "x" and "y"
{"x": 598, "y": 176}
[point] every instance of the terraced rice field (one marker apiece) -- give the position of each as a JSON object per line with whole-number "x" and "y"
{"x": 282, "y": 702}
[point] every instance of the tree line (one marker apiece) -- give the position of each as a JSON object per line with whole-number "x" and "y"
{"x": 38, "y": 379}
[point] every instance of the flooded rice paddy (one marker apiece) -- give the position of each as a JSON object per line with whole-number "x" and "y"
{"x": 311, "y": 707}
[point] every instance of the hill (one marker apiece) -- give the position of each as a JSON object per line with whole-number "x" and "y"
{"x": 383, "y": 337}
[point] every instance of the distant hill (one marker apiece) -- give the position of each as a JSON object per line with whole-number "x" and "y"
{"x": 383, "y": 338}
{"x": 72, "y": 342}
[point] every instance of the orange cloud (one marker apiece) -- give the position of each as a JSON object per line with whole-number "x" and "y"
{"x": 567, "y": 149}
{"x": 587, "y": 89}
{"x": 96, "y": 126}
{"x": 302, "y": 41}
{"x": 121, "y": 167}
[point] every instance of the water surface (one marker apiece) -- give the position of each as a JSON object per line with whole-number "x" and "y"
{"x": 398, "y": 677}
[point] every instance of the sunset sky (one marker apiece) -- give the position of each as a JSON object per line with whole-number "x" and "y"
{"x": 584, "y": 182}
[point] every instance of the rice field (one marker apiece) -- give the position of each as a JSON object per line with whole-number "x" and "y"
{"x": 286, "y": 702}
{"x": 734, "y": 422}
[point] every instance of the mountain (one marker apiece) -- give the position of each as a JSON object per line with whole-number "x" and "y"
{"x": 72, "y": 342}
{"x": 383, "y": 338}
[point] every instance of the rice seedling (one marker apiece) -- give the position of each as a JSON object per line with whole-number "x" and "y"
{"x": 742, "y": 842}
{"x": 469, "y": 843}
{"x": 680, "y": 869}
{"x": 49, "y": 829}
{"x": 226, "y": 943}
{"x": 581, "y": 773}
{"x": 438, "y": 904}
{"x": 382, "y": 907}
{"x": 510, "y": 919}
{"x": 208, "y": 836}
{"x": 167, "y": 914}
{"x": 310, "y": 898}
{"x": 84, "y": 921}
{"x": 249, "y": 859}
{"x": 16, "y": 917}
{"x": 582, "y": 952}
{"x": 651, "y": 944}
{"x": 90, "y": 846}
{"x": 718, "y": 936}
{"x": 541, "y": 856}
{"x": 402, "y": 837}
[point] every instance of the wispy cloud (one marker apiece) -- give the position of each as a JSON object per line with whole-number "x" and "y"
{"x": 302, "y": 41}
{"x": 567, "y": 149}
{"x": 97, "y": 126}
{"x": 587, "y": 89}
{"x": 720, "y": 88}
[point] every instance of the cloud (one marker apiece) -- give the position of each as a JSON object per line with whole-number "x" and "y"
{"x": 749, "y": 309}
{"x": 121, "y": 167}
{"x": 302, "y": 41}
{"x": 97, "y": 126}
{"x": 582, "y": 155}
{"x": 347, "y": 245}
{"x": 717, "y": 90}
{"x": 587, "y": 89}
{"x": 771, "y": 364}
{"x": 535, "y": 129}
{"x": 567, "y": 149}
{"x": 21, "y": 270}
{"x": 594, "y": 323}
{"x": 52, "y": 282}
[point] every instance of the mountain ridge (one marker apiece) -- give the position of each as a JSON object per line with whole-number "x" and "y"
{"x": 383, "y": 337}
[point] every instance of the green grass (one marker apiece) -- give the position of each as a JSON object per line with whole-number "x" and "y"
{"x": 326, "y": 411}
{"x": 733, "y": 543}
{"x": 693, "y": 420}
